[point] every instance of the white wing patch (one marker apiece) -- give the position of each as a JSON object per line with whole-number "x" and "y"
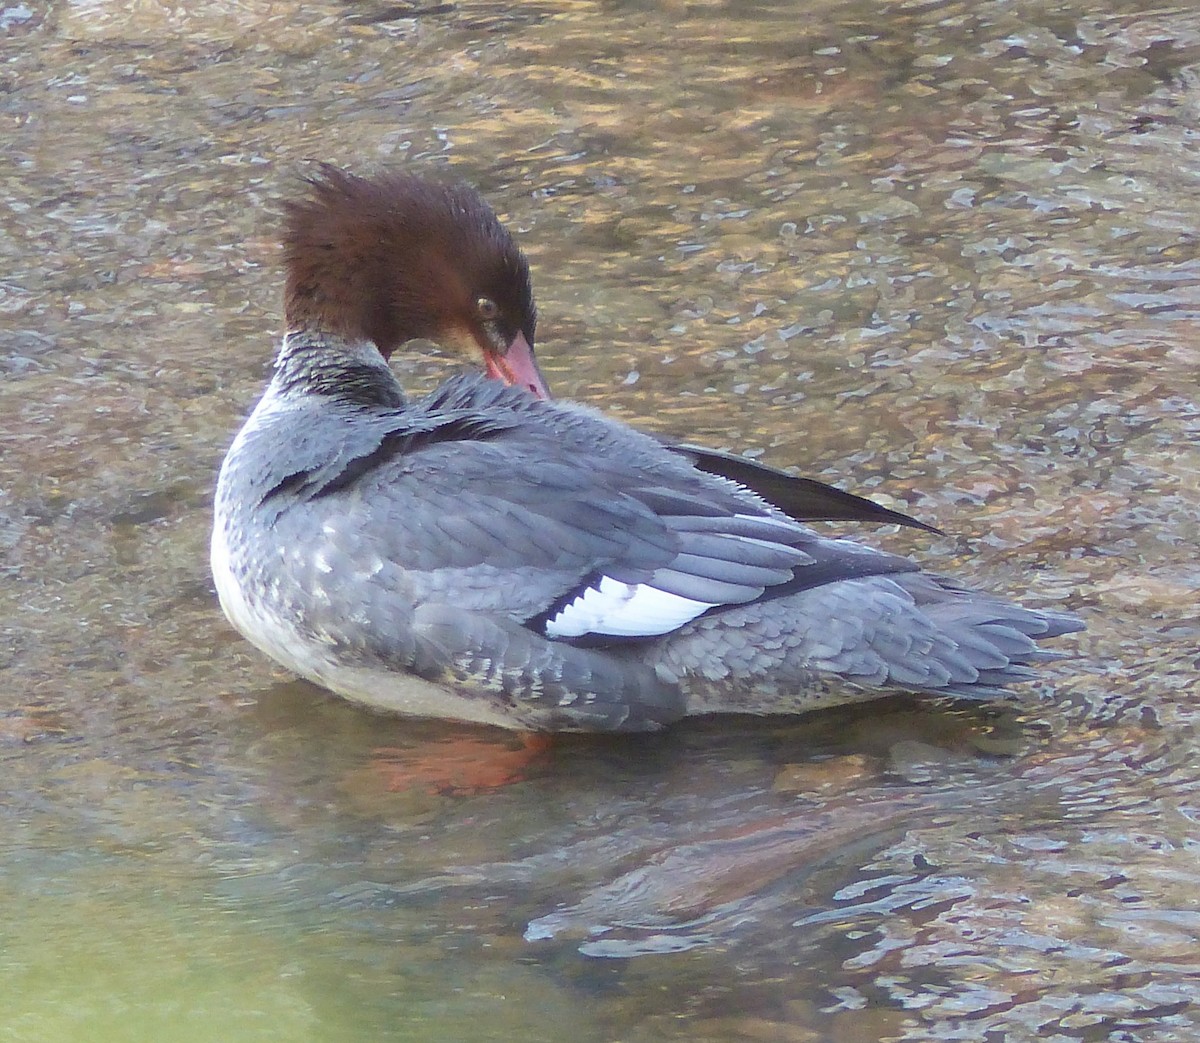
{"x": 618, "y": 609}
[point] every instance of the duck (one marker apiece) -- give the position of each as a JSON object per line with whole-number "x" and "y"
{"x": 486, "y": 553}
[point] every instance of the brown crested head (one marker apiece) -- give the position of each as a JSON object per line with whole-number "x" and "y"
{"x": 393, "y": 257}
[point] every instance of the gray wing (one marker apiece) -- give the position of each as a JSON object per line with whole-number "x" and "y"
{"x": 579, "y": 528}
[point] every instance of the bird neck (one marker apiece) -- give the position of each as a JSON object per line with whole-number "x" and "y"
{"x": 311, "y": 362}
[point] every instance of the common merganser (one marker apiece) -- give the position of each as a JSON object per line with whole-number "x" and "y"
{"x": 486, "y": 554}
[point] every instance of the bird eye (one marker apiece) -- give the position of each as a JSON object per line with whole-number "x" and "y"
{"x": 487, "y": 308}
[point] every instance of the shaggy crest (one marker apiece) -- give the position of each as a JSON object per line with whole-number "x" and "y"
{"x": 393, "y": 257}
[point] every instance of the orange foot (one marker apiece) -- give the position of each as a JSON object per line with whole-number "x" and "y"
{"x": 463, "y": 765}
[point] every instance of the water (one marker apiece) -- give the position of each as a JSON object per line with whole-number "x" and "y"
{"x": 942, "y": 253}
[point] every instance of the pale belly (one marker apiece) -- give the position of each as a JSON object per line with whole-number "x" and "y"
{"x": 386, "y": 691}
